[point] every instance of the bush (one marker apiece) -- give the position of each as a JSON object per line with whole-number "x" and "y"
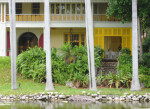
{"x": 146, "y": 43}
{"x": 31, "y": 64}
{"x": 144, "y": 73}
{"x": 98, "y": 54}
{"x": 126, "y": 51}
{"x": 125, "y": 66}
{"x": 68, "y": 64}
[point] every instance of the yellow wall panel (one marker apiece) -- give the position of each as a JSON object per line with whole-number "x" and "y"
{"x": 125, "y": 33}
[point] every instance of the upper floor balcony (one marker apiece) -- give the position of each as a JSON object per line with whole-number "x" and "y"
{"x": 60, "y": 17}
{"x": 59, "y": 12}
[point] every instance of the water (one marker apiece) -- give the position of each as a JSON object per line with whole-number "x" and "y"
{"x": 73, "y": 105}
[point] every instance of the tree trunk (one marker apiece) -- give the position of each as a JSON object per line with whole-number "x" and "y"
{"x": 13, "y": 43}
{"x": 49, "y": 84}
{"x": 90, "y": 44}
{"x": 140, "y": 39}
{"x": 135, "y": 78}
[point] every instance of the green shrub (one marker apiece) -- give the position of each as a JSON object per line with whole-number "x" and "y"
{"x": 146, "y": 44}
{"x": 144, "y": 73}
{"x": 146, "y": 59}
{"x": 144, "y": 69}
{"x": 125, "y": 67}
{"x": 98, "y": 54}
{"x": 126, "y": 51}
{"x": 68, "y": 64}
{"x": 31, "y": 64}
{"x": 146, "y": 52}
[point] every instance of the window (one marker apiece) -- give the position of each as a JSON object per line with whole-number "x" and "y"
{"x": 83, "y": 8}
{"x": 75, "y": 39}
{"x": 102, "y": 7}
{"x": 95, "y": 9}
{"x": 52, "y": 8}
{"x": 73, "y": 8}
{"x": 62, "y": 8}
{"x": 78, "y": 8}
{"x": 57, "y": 9}
{"x": 18, "y": 8}
{"x": 66, "y": 38}
{"x": 36, "y": 8}
{"x": 82, "y": 39}
{"x": 68, "y": 9}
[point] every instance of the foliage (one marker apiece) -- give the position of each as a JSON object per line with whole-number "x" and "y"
{"x": 76, "y": 68}
{"x": 146, "y": 52}
{"x": 98, "y": 53}
{"x": 125, "y": 66}
{"x": 146, "y": 44}
{"x": 146, "y": 59}
{"x": 144, "y": 73}
{"x": 66, "y": 52}
{"x": 144, "y": 69}
{"x": 121, "y": 9}
{"x": 31, "y": 64}
{"x": 126, "y": 51}
{"x": 68, "y": 64}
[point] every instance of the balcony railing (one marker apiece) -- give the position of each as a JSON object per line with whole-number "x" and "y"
{"x": 28, "y": 17}
{"x": 103, "y": 17}
{"x": 59, "y": 17}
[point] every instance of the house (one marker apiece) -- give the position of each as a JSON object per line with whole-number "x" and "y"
{"x": 67, "y": 21}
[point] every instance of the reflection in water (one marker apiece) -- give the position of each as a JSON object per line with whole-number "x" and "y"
{"x": 71, "y": 105}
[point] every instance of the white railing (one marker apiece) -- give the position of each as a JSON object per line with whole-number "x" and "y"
{"x": 103, "y": 17}
{"x": 67, "y": 17}
{"x": 60, "y": 17}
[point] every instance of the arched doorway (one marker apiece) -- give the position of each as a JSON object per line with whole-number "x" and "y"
{"x": 27, "y": 40}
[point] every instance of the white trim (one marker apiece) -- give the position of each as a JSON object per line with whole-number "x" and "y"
{"x": 55, "y": 1}
{"x": 104, "y": 24}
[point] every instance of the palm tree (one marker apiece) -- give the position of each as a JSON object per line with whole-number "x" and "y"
{"x": 13, "y": 43}
{"x": 49, "y": 84}
{"x": 90, "y": 44}
{"x": 135, "y": 78}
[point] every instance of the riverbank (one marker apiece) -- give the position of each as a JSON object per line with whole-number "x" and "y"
{"x": 85, "y": 97}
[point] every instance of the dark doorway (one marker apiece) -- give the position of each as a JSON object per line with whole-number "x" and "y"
{"x": 26, "y": 41}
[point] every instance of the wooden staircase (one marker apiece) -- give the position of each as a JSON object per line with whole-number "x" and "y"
{"x": 109, "y": 65}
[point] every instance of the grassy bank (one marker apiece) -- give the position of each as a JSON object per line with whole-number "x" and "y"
{"x": 30, "y": 87}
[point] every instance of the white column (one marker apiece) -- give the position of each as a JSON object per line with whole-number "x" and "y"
{"x": 13, "y": 43}
{"x": 1, "y": 11}
{"x": 90, "y": 44}
{"x": 3, "y": 40}
{"x": 135, "y": 78}
{"x": 47, "y": 47}
{"x": 3, "y": 33}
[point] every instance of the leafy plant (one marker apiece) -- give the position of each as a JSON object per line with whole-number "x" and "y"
{"x": 126, "y": 51}
{"x": 144, "y": 73}
{"x": 125, "y": 67}
{"x": 68, "y": 64}
{"x": 31, "y": 64}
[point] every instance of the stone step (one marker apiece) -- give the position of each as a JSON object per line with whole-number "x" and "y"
{"x": 109, "y": 65}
